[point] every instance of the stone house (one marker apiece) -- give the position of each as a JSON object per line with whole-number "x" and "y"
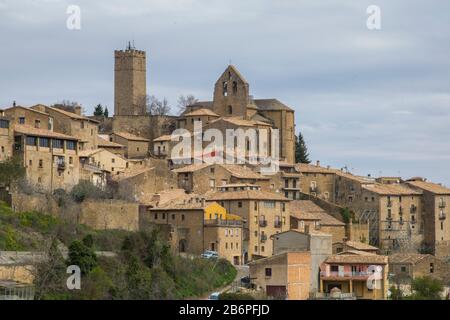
{"x": 135, "y": 147}
{"x": 104, "y": 160}
{"x": 19, "y": 115}
{"x": 404, "y": 267}
{"x": 316, "y": 180}
{"x": 306, "y": 216}
{"x": 196, "y": 226}
{"x": 264, "y": 214}
{"x": 284, "y": 276}
{"x": 104, "y": 143}
{"x": 162, "y": 146}
{"x": 75, "y": 124}
{"x": 348, "y": 245}
{"x": 6, "y": 139}
{"x": 436, "y": 204}
{"x": 50, "y": 158}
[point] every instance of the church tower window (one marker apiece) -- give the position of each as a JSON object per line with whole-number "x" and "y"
{"x": 235, "y": 87}
{"x": 230, "y": 110}
{"x": 225, "y": 88}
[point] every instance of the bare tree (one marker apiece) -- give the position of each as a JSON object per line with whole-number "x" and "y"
{"x": 157, "y": 107}
{"x": 184, "y": 101}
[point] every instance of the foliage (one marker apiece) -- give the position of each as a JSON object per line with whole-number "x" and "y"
{"x": 106, "y": 112}
{"x": 98, "y": 111}
{"x": 82, "y": 256}
{"x": 235, "y": 296}
{"x": 346, "y": 215}
{"x": 426, "y": 288}
{"x": 85, "y": 189}
{"x": 396, "y": 293}
{"x": 301, "y": 151}
{"x": 11, "y": 170}
{"x": 184, "y": 101}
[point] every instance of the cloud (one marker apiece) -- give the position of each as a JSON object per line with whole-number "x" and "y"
{"x": 375, "y": 100}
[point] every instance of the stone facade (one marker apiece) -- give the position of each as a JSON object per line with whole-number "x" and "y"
{"x": 6, "y": 139}
{"x": 135, "y": 147}
{"x": 264, "y": 214}
{"x": 130, "y": 84}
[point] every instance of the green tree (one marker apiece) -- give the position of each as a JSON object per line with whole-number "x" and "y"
{"x": 426, "y": 288}
{"x": 396, "y": 293}
{"x": 11, "y": 170}
{"x": 82, "y": 256}
{"x": 106, "y": 112}
{"x": 301, "y": 151}
{"x": 98, "y": 110}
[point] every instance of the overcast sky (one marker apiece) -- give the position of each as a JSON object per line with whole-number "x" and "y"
{"x": 377, "y": 101}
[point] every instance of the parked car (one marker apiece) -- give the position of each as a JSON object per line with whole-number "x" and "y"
{"x": 208, "y": 254}
{"x": 214, "y": 296}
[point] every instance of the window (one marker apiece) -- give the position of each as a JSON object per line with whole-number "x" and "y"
{"x": 256, "y": 205}
{"x": 225, "y": 88}
{"x": 334, "y": 268}
{"x": 41, "y": 163}
{"x": 283, "y": 205}
{"x": 3, "y": 149}
{"x": 137, "y": 149}
{"x": 56, "y": 143}
{"x": 212, "y": 183}
{"x": 173, "y": 217}
{"x": 269, "y": 204}
{"x": 30, "y": 162}
{"x": 431, "y": 267}
{"x": 211, "y": 170}
{"x": 235, "y": 88}
{"x": 230, "y": 110}
{"x": 256, "y": 248}
{"x": 21, "y": 120}
{"x": 239, "y": 204}
{"x": 262, "y": 248}
{"x": 37, "y": 123}
{"x": 231, "y": 244}
{"x": 31, "y": 141}
{"x": 113, "y": 160}
{"x": 226, "y": 245}
{"x": 70, "y": 145}
{"x": 70, "y": 160}
{"x": 268, "y": 272}
{"x": 44, "y": 142}
{"x": 403, "y": 269}
{"x": 82, "y": 124}
{"x": 256, "y": 233}
{"x": 182, "y": 217}
{"x": 4, "y": 124}
{"x": 156, "y": 216}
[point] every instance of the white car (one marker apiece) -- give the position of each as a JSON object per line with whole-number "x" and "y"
{"x": 214, "y": 296}
{"x": 208, "y": 254}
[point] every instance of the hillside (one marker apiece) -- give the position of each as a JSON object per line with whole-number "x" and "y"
{"x": 142, "y": 266}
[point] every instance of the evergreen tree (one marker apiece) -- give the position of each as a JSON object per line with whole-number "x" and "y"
{"x": 98, "y": 110}
{"x": 301, "y": 151}
{"x": 106, "y": 112}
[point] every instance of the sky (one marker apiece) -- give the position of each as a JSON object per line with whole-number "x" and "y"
{"x": 375, "y": 101}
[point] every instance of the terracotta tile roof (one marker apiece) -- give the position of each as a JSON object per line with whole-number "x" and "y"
{"x": 29, "y": 109}
{"x": 246, "y": 195}
{"x": 129, "y": 136}
{"x": 71, "y": 114}
{"x": 407, "y": 258}
{"x": 242, "y": 172}
{"x": 271, "y": 104}
{"x": 166, "y": 137}
{"x": 192, "y": 168}
{"x": 310, "y": 168}
{"x": 357, "y": 258}
{"x": 348, "y": 175}
{"x": 108, "y": 144}
{"x": 191, "y": 203}
{"x": 360, "y": 245}
{"x": 308, "y": 210}
{"x": 391, "y": 189}
{"x": 130, "y": 173}
{"x": 238, "y": 121}
{"x": 88, "y": 153}
{"x": 202, "y": 112}
{"x": 429, "y": 186}
{"x": 32, "y": 131}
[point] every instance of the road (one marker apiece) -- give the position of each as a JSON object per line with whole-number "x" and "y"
{"x": 242, "y": 271}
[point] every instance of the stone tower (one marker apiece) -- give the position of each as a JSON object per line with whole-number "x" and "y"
{"x": 130, "y": 87}
{"x": 231, "y": 94}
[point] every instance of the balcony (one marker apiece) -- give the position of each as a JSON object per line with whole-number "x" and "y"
{"x": 220, "y": 222}
{"x": 345, "y": 274}
{"x": 332, "y": 296}
{"x": 277, "y": 224}
{"x": 442, "y": 216}
{"x": 442, "y": 204}
{"x": 263, "y": 223}
{"x": 61, "y": 166}
{"x": 263, "y": 238}
{"x": 389, "y": 203}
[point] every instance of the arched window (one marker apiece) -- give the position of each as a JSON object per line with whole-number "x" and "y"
{"x": 230, "y": 110}
{"x": 225, "y": 88}
{"x": 235, "y": 87}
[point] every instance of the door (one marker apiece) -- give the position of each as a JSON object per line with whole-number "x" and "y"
{"x": 276, "y": 292}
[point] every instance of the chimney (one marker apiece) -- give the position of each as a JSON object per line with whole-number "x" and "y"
{"x": 78, "y": 110}
{"x": 318, "y": 163}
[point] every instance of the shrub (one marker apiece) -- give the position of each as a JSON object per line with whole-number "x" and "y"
{"x": 82, "y": 256}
